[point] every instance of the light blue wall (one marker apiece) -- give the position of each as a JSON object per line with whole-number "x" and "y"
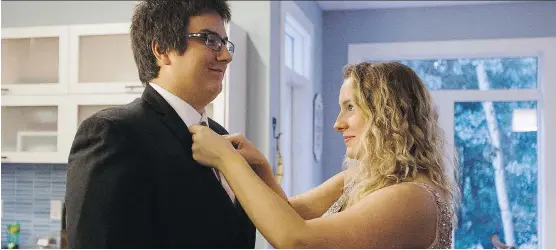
{"x": 502, "y": 20}
{"x": 26, "y": 193}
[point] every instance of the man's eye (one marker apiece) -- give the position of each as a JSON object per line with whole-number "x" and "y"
{"x": 213, "y": 40}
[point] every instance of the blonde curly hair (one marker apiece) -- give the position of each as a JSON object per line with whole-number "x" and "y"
{"x": 401, "y": 136}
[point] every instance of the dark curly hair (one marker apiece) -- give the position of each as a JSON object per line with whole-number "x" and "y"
{"x": 165, "y": 21}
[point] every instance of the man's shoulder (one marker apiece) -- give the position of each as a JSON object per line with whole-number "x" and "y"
{"x": 131, "y": 114}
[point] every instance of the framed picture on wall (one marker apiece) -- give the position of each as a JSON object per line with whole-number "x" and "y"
{"x": 317, "y": 127}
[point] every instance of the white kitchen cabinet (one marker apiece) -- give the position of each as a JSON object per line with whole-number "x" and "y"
{"x": 81, "y": 107}
{"x": 56, "y": 77}
{"x": 101, "y": 60}
{"x": 31, "y": 129}
{"x": 34, "y": 60}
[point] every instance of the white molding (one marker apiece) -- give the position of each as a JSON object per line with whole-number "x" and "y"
{"x": 362, "y": 5}
{"x": 296, "y": 95}
{"x": 358, "y": 52}
{"x": 490, "y": 95}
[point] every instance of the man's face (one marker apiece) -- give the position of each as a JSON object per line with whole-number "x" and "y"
{"x": 200, "y": 70}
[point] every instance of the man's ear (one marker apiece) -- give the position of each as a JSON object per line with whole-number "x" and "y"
{"x": 162, "y": 58}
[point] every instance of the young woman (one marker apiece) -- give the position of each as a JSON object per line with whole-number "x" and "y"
{"x": 400, "y": 192}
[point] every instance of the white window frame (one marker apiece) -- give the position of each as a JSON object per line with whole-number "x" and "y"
{"x": 543, "y": 48}
{"x": 301, "y": 46}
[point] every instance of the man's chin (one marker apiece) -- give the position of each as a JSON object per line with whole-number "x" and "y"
{"x": 213, "y": 91}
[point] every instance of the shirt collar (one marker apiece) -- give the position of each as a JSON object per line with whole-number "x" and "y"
{"x": 185, "y": 111}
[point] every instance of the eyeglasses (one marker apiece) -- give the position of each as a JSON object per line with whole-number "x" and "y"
{"x": 214, "y": 41}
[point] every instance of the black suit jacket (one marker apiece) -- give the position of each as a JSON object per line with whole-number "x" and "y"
{"x": 132, "y": 183}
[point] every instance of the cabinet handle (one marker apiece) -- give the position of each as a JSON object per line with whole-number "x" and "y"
{"x": 4, "y": 157}
{"x": 5, "y": 90}
{"x": 130, "y": 88}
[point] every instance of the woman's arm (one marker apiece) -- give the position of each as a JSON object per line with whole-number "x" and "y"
{"x": 264, "y": 171}
{"x": 399, "y": 216}
{"x": 315, "y": 202}
{"x": 395, "y": 217}
{"x": 308, "y": 205}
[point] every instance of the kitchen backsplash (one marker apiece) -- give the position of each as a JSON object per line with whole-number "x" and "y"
{"x": 27, "y": 190}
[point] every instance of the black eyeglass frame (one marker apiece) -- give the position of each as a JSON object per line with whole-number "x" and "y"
{"x": 207, "y": 36}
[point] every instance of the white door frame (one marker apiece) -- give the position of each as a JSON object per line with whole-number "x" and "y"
{"x": 545, "y": 95}
{"x": 296, "y": 94}
{"x": 295, "y": 110}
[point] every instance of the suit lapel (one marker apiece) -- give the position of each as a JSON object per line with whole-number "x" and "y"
{"x": 169, "y": 116}
{"x": 172, "y": 120}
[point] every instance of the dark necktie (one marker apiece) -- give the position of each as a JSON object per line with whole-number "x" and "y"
{"x": 220, "y": 179}
{"x": 203, "y": 123}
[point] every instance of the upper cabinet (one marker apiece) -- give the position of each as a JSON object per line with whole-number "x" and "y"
{"x": 34, "y": 60}
{"x": 101, "y": 60}
{"x": 55, "y": 77}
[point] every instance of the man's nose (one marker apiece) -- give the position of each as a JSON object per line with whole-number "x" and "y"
{"x": 224, "y": 55}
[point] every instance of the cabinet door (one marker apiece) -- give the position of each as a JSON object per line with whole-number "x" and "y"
{"x": 31, "y": 129}
{"x": 102, "y": 60}
{"x": 34, "y": 60}
{"x": 81, "y": 107}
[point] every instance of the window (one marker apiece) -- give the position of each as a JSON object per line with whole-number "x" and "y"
{"x": 498, "y": 174}
{"x": 503, "y": 73}
{"x": 498, "y": 160}
{"x": 289, "y": 50}
{"x": 297, "y": 47}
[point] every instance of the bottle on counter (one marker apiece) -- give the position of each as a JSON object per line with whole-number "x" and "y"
{"x": 13, "y": 236}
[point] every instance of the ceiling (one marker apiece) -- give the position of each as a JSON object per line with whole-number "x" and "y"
{"x": 353, "y": 5}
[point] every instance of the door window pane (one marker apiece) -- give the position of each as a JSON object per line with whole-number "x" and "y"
{"x": 497, "y": 146}
{"x": 503, "y": 73}
{"x": 289, "y": 46}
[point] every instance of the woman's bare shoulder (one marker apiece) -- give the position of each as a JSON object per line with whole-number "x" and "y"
{"x": 398, "y": 216}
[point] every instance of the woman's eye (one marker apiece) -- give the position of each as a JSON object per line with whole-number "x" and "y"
{"x": 350, "y": 107}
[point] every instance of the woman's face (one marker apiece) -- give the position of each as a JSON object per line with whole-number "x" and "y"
{"x": 350, "y": 121}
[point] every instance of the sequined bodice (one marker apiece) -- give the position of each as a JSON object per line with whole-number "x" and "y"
{"x": 444, "y": 216}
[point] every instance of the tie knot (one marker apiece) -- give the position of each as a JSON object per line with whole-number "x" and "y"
{"x": 203, "y": 123}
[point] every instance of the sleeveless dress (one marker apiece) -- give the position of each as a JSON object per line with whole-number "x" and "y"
{"x": 444, "y": 225}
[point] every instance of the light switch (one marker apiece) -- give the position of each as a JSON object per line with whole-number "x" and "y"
{"x": 55, "y": 209}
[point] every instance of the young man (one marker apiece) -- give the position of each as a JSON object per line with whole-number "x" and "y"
{"x": 132, "y": 181}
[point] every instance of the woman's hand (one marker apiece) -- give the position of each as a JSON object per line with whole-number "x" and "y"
{"x": 211, "y": 149}
{"x": 249, "y": 152}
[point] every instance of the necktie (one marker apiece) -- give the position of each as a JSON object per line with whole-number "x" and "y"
{"x": 203, "y": 123}
{"x": 219, "y": 176}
